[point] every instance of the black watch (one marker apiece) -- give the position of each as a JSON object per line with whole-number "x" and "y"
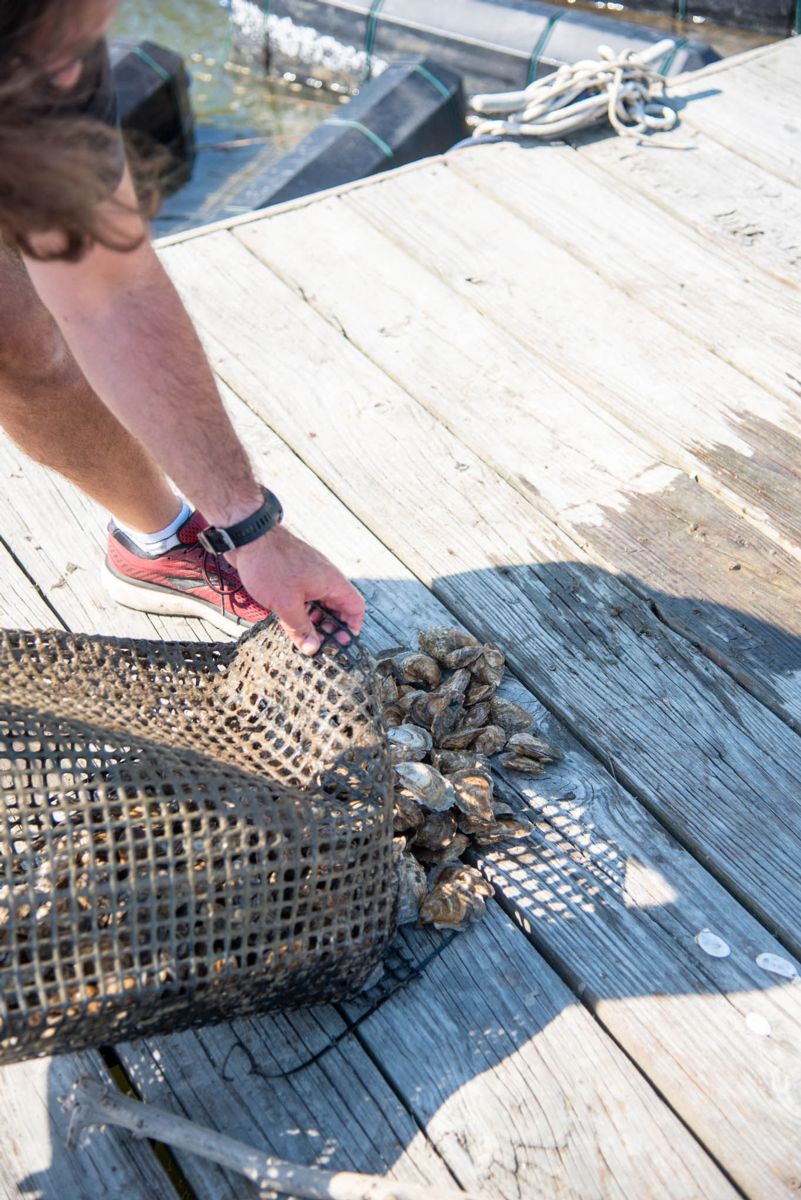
{"x": 218, "y": 541}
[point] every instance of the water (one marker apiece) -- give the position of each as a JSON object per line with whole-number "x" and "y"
{"x": 243, "y": 119}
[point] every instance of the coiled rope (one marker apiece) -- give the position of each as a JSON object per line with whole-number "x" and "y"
{"x": 624, "y": 88}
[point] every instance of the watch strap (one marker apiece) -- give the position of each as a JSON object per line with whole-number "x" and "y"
{"x": 217, "y": 539}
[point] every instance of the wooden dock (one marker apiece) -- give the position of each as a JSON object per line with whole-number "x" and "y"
{"x": 553, "y": 394}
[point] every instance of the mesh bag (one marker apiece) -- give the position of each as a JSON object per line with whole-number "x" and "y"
{"x": 189, "y": 832}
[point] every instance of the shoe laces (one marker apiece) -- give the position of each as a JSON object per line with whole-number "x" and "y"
{"x": 228, "y": 581}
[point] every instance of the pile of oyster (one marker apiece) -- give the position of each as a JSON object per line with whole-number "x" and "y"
{"x": 445, "y": 722}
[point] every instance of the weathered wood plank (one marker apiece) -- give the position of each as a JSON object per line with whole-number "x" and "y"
{"x": 660, "y": 711}
{"x": 456, "y": 1081}
{"x": 34, "y": 1160}
{"x": 340, "y": 1113}
{"x": 695, "y": 410}
{"x": 22, "y": 605}
{"x": 715, "y": 191}
{"x": 753, "y": 108}
{"x": 712, "y": 577}
{"x": 623, "y": 238}
{"x": 604, "y": 892}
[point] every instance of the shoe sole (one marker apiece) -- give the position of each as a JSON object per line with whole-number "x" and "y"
{"x": 145, "y": 597}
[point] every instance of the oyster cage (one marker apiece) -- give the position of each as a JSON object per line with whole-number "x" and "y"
{"x": 189, "y": 832}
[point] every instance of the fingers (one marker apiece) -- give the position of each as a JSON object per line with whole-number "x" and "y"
{"x": 346, "y": 602}
{"x": 297, "y": 621}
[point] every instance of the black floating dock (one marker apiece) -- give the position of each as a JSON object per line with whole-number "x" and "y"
{"x": 152, "y": 85}
{"x": 496, "y": 45}
{"x": 412, "y": 110}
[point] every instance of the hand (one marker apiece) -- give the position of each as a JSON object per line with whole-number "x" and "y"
{"x": 286, "y": 575}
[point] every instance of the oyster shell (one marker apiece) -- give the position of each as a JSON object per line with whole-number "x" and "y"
{"x": 449, "y": 761}
{"x": 387, "y": 689}
{"x": 412, "y": 888}
{"x": 449, "y": 852}
{"x": 533, "y": 747}
{"x": 407, "y": 696}
{"x": 489, "y": 666}
{"x": 476, "y": 717}
{"x": 464, "y": 656}
{"x": 455, "y": 685}
{"x": 491, "y": 740}
{"x": 521, "y": 762}
{"x": 437, "y": 832}
{"x": 413, "y": 667}
{"x": 473, "y": 825}
{"x": 460, "y": 739}
{"x": 511, "y": 717}
{"x": 478, "y": 691}
{"x": 473, "y": 791}
{"x": 384, "y": 659}
{"x": 428, "y": 787}
{"x": 393, "y": 715}
{"x": 408, "y": 743}
{"x": 426, "y": 707}
{"x": 407, "y": 813}
{"x": 503, "y": 829}
{"x": 440, "y": 640}
{"x": 456, "y": 900}
{"x": 447, "y": 720}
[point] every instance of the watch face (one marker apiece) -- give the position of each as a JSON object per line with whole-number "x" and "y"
{"x": 216, "y": 541}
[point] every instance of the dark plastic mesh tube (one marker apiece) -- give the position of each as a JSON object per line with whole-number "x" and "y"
{"x": 189, "y": 832}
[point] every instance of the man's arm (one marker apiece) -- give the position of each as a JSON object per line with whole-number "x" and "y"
{"x": 130, "y": 334}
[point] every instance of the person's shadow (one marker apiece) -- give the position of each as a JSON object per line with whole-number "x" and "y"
{"x": 601, "y": 905}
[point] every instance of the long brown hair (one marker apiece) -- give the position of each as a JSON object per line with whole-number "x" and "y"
{"x": 55, "y": 169}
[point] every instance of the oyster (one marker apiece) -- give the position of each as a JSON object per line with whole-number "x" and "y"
{"x": 457, "y": 898}
{"x": 488, "y": 668}
{"x": 384, "y": 659}
{"x": 455, "y": 685}
{"x": 464, "y": 656}
{"x": 533, "y": 747}
{"x": 387, "y": 689}
{"x": 442, "y": 640}
{"x": 407, "y": 813}
{"x": 474, "y": 794}
{"x": 408, "y": 743}
{"x": 412, "y": 888}
{"x": 437, "y": 832}
{"x": 491, "y": 740}
{"x": 478, "y": 691}
{"x": 460, "y": 739}
{"x": 503, "y": 829}
{"x": 428, "y": 787}
{"x": 476, "y": 717}
{"x": 451, "y": 850}
{"x": 393, "y": 715}
{"x": 447, "y": 720}
{"x": 521, "y": 762}
{"x": 413, "y": 667}
{"x": 449, "y": 761}
{"x": 473, "y": 825}
{"x": 511, "y": 717}
{"x": 426, "y": 707}
{"x": 407, "y": 697}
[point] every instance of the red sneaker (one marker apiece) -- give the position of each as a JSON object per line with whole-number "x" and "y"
{"x": 184, "y": 582}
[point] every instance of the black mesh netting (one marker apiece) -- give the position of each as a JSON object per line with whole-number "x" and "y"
{"x": 189, "y": 832}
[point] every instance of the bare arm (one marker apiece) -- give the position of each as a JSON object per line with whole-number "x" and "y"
{"x": 132, "y": 338}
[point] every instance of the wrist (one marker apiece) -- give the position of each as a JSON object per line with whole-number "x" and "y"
{"x": 225, "y": 539}
{"x": 235, "y": 509}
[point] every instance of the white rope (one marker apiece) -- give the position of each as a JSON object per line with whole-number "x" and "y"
{"x": 624, "y": 88}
